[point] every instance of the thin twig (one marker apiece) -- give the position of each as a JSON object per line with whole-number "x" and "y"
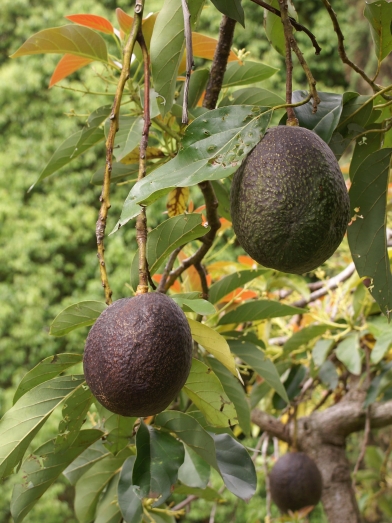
{"x": 189, "y": 58}
{"x": 114, "y": 126}
{"x": 184, "y": 503}
{"x": 312, "y": 82}
{"x": 203, "y": 279}
{"x": 141, "y": 220}
{"x": 267, "y": 482}
{"x": 342, "y": 50}
{"x": 168, "y": 268}
{"x": 294, "y": 23}
{"x": 288, "y": 33}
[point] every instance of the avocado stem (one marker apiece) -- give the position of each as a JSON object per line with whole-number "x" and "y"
{"x": 288, "y": 33}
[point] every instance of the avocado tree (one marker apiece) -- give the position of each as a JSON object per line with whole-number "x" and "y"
{"x": 303, "y": 359}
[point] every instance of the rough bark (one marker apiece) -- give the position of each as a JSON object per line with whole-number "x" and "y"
{"x": 322, "y": 436}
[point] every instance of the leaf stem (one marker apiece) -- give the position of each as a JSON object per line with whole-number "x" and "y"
{"x": 114, "y": 125}
{"x": 189, "y": 58}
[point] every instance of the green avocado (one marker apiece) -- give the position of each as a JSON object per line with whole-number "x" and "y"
{"x": 295, "y": 482}
{"x": 138, "y": 355}
{"x": 289, "y": 203}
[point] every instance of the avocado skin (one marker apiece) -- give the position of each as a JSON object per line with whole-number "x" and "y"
{"x": 295, "y": 482}
{"x": 138, "y": 355}
{"x": 289, "y": 203}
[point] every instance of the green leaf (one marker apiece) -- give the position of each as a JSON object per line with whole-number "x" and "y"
{"x": 236, "y": 467}
{"x": 167, "y": 46}
{"x": 159, "y": 456}
{"x": 119, "y": 171}
{"x": 357, "y": 110}
{"x": 349, "y": 354}
{"x": 74, "y": 415}
{"x": 231, "y": 8}
{"x": 85, "y": 461}
{"x": 108, "y": 510}
{"x": 165, "y": 238}
{"x": 197, "y": 85}
{"x": 321, "y": 351}
{"x": 252, "y": 96}
{"x": 89, "y": 487}
{"x": 46, "y": 370}
{"x": 292, "y": 385}
{"x": 255, "y": 358}
{"x": 70, "y": 149}
{"x": 223, "y": 198}
{"x": 230, "y": 283}
{"x": 364, "y": 146}
{"x": 259, "y": 310}
{"x": 206, "y": 392}
{"x": 325, "y": 121}
{"x": 379, "y": 14}
{"x": 213, "y": 148}
{"x": 120, "y": 432}
{"x": 235, "y": 392}
{"x": 328, "y": 375}
{"x": 21, "y": 423}
{"x": 246, "y": 73}
{"x": 72, "y": 39}
{"x": 129, "y": 503}
{"x": 43, "y": 467}
{"x": 367, "y": 232}
{"x": 190, "y": 432}
{"x": 208, "y": 493}
{"x": 199, "y": 306}
{"x": 194, "y": 472}
{"x": 81, "y": 314}
{"x": 274, "y": 28}
{"x": 214, "y": 343}
{"x": 128, "y": 135}
{"x": 258, "y": 392}
{"x": 382, "y": 346}
{"x": 303, "y": 337}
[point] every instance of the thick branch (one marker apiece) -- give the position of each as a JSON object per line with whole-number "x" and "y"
{"x": 269, "y": 424}
{"x": 114, "y": 125}
{"x": 294, "y": 23}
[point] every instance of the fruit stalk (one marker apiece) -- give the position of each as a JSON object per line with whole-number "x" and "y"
{"x": 114, "y": 126}
{"x": 141, "y": 221}
{"x": 288, "y": 33}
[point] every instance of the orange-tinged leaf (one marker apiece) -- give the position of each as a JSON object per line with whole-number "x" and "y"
{"x": 191, "y": 206}
{"x": 124, "y": 20}
{"x": 175, "y": 287}
{"x": 148, "y": 27}
{"x": 68, "y": 64}
{"x": 93, "y": 21}
{"x": 225, "y": 224}
{"x": 199, "y": 209}
{"x": 247, "y": 260}
{"x": 177, "y": 200}
{"x": 204, "y": 47}
{"x": 201, "y": 100}
{"x": 68, "y": 39}
{"x": 239, "y": 295}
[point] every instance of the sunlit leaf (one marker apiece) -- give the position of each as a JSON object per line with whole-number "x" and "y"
{"x": 229, "y": 283}
{"x": 21, "y": 423}
{"x": 303, "y": 336}
{"x": 382, "y": 346}
{"x": 235, "y": 392}
{"x": 231, "y": 8}
{"x": 43, "y": 467}
{"x": 167, "y": 45}
{"x": 214, "y": 343}
{"x": 67, "y": 65}
{"x": 81, "y": 314}
{"x": 252, "y": 96}
{"x": 321, "y": 350}
{"x": 93, "y": 21}
{"x": 177, "y": 201}
{"x": 68, "y": 39}
{"x": 124, "y": 20}
{"x": 213, "y": 148}
{"x": 379, "y": 14}
{"x": 348, "y": 352}
{"x": 191, "y": 301}
{"x": 255, "y": 358}
{"x": 274, "y": 28}
{"x": 367, "y": 231}
{"x": 206, "y": 392}
{"x": 90, "y": 486}
{"x": 259, "y": 310}
{"x": 158, "y": 459}
{"x": 204, "y": 46}
{"x": 46, "y": 370}
{"x": 247, "y": 73}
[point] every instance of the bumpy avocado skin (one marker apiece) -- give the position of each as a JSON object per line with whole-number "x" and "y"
{"x": 138, "y": 355}
{"x": 289, "y": 203}
{"x": 295, "y": 482}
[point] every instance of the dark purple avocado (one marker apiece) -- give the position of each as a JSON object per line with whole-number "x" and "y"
{"x": 289, "y": 203}
{"x": 138, "y": 355}
{"x": 295, "y": 482}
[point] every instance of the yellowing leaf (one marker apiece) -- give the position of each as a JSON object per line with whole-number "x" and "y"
{"x": 133, "y": 157}
{"x": 214, "y": 343}
{"x": 177, "y": 200}
{"x": 71, "y": 39}
{"x": 68, "y": 64}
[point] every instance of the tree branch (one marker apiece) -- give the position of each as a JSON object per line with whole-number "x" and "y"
{"x": 269, "y": 424}
{"x": 288, "y": 33}
{"x": 114, "y": 126}
{"x": 294, "y": 23}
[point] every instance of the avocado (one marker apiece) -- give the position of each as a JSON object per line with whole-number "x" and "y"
{"x": 138, "y": 355}
{"x": 289, "y": 203}
{"x": 295, "y": 482}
